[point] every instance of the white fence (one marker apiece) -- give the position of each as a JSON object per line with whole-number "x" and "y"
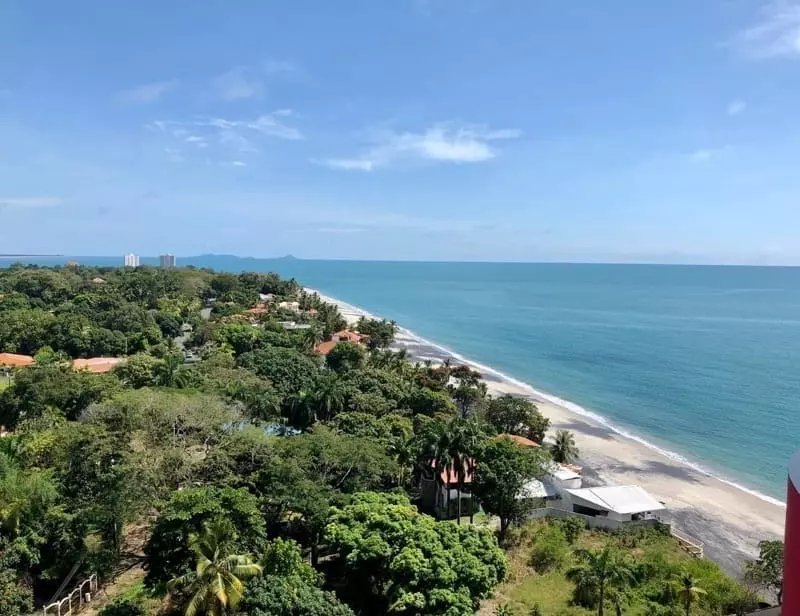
{"x": 82, "y": 594}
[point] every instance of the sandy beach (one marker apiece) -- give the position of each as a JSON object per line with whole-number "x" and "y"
{"x": 729, "y": 520}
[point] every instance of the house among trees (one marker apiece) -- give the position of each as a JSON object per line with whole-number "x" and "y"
{"x": 348, "y": 336}
{"x": 97, "y": 365}
{"x": 13, "y": 360}
{"x": 440, "y": 490}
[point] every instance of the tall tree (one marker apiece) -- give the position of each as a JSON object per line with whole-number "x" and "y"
{"x": 502, "y": 471}
{"x": 767, "y": 571}
{"x": 216, "y": 585}
{"x": 515, "y": 415}
{"x": 465, "y": 440}
{"x": 597, "y": 573}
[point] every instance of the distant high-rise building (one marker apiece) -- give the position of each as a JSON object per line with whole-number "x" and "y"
{"x": 166, "y": 260}
{"x": 131, "y": 260}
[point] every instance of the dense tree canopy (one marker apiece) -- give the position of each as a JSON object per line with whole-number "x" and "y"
{"x": 251, "y": 469}
{"x": 396, "y": 560}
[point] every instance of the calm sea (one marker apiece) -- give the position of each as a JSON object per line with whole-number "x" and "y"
{"x": 703, "y": 361}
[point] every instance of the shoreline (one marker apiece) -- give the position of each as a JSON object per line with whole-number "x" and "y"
{"x": 728, "y": 517}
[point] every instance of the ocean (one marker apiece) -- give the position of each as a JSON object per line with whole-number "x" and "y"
{"x": 701, "y": 361}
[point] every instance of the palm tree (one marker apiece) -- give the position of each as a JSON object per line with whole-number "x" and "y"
{"x": 215, "y": 587}
{"x": 435, "y": 452}
{"x": 300, "y": 408}
{"x": 329, "y": 396}
{"x": 466, "y": 436}
{"x": 564, "y": 450}
{"x": 689, "y": 592}
{"x": 598, "y": 572}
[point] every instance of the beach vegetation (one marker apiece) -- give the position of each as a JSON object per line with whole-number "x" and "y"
{"x": 249, "y": 469}
{"x": 564, "y": 450}
{"x": 766, "y": 572}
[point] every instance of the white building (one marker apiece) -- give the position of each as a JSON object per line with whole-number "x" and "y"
{"x": 619, "y": 503}
{"x": 166, "y": 260}
{"x": 131, "y": 260}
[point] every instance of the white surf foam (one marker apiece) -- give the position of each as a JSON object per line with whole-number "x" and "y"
{"x": 407, "y": 335}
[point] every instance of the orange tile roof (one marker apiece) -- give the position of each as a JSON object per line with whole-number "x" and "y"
{"x": 519, "y": 440}
{"x": 256, "y": 310}
{"x": 323, "y": 348}
{"x": 17, "y": 361}
{"x": 349, "y": 336}
{"x": 97, "y": 364}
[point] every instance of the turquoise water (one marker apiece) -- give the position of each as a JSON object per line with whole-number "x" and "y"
{"x": 700, "y": 360}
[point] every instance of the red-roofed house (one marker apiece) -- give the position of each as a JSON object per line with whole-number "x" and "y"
{"x": 323, "y": 348}
{"x": 440, "y": 490}
{"x": 13, "y": 360}
{"x": 97, "y": 365}
{"x": 348, "y": 336}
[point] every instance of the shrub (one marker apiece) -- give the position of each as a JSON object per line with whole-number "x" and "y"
{"x": 572, "y": 528}
{"x": 550, "y": 550}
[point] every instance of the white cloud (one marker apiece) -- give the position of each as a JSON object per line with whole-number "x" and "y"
{"x": 278, "y": 67}
{"x": 148, "y": 93}
{"x": 238, "y": 163}
{"x": 440, "y": 143}
{"x": 349, "y": 164}
{"x": 736, "y": 108}
{"x": 237, "y": 84}
{"x": 174, "y": 155}
{"x": 776, "y": 34}
{"x": 25, "y": 202}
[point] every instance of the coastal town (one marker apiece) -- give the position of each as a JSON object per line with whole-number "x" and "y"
{"x": 307, "y": 449}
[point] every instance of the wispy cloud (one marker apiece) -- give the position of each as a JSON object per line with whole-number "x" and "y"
{"x": 273, "y": 66}
{"x": 238, "y": 84}
{"x": 440, "y": 143}
{"x": 737, "y": 108}
{"x": 776, "y": 34}
{"x": 148, "y": 93}
{"x": 703, "y": 155}
{"x": 232, "y": 137}
{"x": 31, "y": 202}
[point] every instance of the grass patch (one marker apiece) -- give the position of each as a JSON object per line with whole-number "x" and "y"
{"x": 655, "y": 556}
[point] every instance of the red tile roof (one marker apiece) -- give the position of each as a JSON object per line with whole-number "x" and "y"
{"x": 323, "y": 348}
{"x": 519, "y": 440}
{"x": 256, "y": 310}
{"x": 349, "y": 336}
{"x": 17, "y": 361}
{"x": 97, "y": 364}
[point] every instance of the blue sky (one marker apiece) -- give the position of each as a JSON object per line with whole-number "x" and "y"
{"x": 410, "y": 129}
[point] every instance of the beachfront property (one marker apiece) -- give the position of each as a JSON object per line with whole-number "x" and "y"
{"x": 348, "y": 336}
{"x": 131, "y": 260}
{"x": 289, "y": 305}
{"x": 13, "y": 360}
{"x": 619, "y": 503}
{"x": 166, "y": 260}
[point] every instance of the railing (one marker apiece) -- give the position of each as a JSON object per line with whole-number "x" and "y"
{"x": 74, "y": 602}
{"x": 695, "y": 547}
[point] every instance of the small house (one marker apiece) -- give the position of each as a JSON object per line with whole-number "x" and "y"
{"x": 13, "y": 360}
{"x": 440, "y": 491}
{"x": 619, "y": 503}
{"x": 97, "y": 365}
{"x": 323, "y": 348}
{"x": 348, "y": 336}
{"x": 290, "y": 306}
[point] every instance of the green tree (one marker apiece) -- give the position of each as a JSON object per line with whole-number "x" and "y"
{"x": 767, "y": 571}
{"x": 597, "y": 573}
{"x": 395, "y": 560}
{"x": 167, "y": 552}
{"x": 381, "y": 332}
{"x": 329, "y": 397}
{"x": 274, "y": 595}
{"x": 564, "y": 450}
{"x": 513, "y": 415}
{"x": 688, "y": 591}
{"x": 345, "y": 356}
{"x": 217, "y": 583}
{"x": 288, "y": 370}
{"x": 550, "y": 549}
{"x": 464, "y": 441}
{"x": 502, "y": 471}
